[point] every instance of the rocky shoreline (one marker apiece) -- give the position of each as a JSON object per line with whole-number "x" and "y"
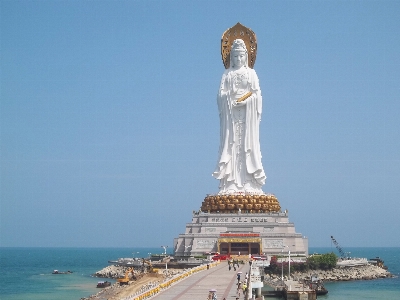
{"x": 146, "y": 281}
{"x": 366, "y": 272}
{"x": 113, "y": 272}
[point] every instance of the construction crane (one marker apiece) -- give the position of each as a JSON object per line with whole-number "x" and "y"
{"x": 125, "y": 279}
{"x": 342, "y": 254}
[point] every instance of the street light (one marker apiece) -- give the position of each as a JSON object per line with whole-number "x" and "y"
{"x": 282, "y": 264}
{"x": 165, "y": 249}
{"x": 289, "y": 260}
{"x": 289, "y": 264}
{"x": 165, "y": 253}
{"x": 283, "y": 247}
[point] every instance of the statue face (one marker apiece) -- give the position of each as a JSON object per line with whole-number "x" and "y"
{"x": 238, "y": 58}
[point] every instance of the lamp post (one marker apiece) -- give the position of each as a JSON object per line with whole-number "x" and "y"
{"x": 289, "y": 264}
{"x": 289, "y": 259}
{"x": 282, "y": 264}
{"x": 283, "y": 247}
{"x": 165, "y": 253}
{"x": 165, "y": 249}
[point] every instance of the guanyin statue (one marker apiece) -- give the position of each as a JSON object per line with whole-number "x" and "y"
{"x": 239, "y": 99}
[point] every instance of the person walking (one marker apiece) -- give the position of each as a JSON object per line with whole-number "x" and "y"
{"x": 239, "y": 288}
{"x": 239, "y": 284}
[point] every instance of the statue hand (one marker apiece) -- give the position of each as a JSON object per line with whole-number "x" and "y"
{"x": 242, "y": 103}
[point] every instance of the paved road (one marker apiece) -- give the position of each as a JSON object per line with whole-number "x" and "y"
{"x": 197, "y": 286}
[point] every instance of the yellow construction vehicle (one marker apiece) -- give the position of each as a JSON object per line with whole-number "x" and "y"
{"x": 149, "y": 266}
{"x": 125, "y": 280}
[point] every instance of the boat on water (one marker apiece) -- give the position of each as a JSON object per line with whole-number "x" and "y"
{"x": 314, "y": 283}
{"x": 377, "y": 261}
{"x": 103, "y": 284}
{"x": 59, "y": 272}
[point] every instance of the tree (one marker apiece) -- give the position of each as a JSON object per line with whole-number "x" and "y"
{"x": 322, "y": 261}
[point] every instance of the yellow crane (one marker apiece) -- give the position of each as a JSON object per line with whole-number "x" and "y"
{"x": 125, "y": 280}
{"x": 150, "y": 266}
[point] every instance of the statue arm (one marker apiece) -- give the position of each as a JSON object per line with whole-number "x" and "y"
{"x": 223, "y": 88}
{"x": 255, "y": 88}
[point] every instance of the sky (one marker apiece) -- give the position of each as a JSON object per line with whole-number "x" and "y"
{"x": 110, "y": 129}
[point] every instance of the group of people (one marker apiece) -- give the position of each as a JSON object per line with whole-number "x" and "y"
{"x": 241, "y": 287}
{"x": 233, "y": 263}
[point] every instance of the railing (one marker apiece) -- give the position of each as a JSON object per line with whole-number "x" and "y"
{"x": 150, "y": 290}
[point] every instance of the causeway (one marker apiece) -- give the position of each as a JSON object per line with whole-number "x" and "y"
{"x": 198, "y": 285}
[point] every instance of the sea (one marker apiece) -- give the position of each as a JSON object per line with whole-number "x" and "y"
{"x": 26, "y": 273}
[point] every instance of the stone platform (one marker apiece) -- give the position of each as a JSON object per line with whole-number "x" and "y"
{"x": 240, "y": 233}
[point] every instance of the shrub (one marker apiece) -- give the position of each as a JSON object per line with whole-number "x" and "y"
{"x": 314, "y": 262}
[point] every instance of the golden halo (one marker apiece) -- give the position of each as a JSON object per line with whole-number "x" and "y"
{"x": 239, "y": 32}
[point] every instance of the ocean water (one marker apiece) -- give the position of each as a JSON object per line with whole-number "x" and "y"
{"x": 25, "y": 273}
{"x": 385, "y": 289}
{"x": 379, "y": 289}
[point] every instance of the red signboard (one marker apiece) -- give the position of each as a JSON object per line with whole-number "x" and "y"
{"x": 239, "y": 234}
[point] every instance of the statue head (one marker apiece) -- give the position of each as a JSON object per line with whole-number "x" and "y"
{"x": 238, "y": 54}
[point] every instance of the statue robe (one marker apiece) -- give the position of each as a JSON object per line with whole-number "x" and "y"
{"x": 252, "y": 176}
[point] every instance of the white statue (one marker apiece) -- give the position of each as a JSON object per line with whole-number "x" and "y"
{"x": 239, "y": 167}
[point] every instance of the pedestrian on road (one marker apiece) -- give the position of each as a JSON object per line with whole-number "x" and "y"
{"x": 244, "y": 288}
{"x": 238, "y": 277}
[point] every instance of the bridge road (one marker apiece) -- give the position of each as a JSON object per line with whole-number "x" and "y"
{"x": 197, "y": 286}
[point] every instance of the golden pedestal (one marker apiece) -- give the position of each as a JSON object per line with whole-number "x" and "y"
{"x": 232, "y": 203}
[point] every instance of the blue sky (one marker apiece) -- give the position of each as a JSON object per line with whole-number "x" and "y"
{"x": 110, "y": 130}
